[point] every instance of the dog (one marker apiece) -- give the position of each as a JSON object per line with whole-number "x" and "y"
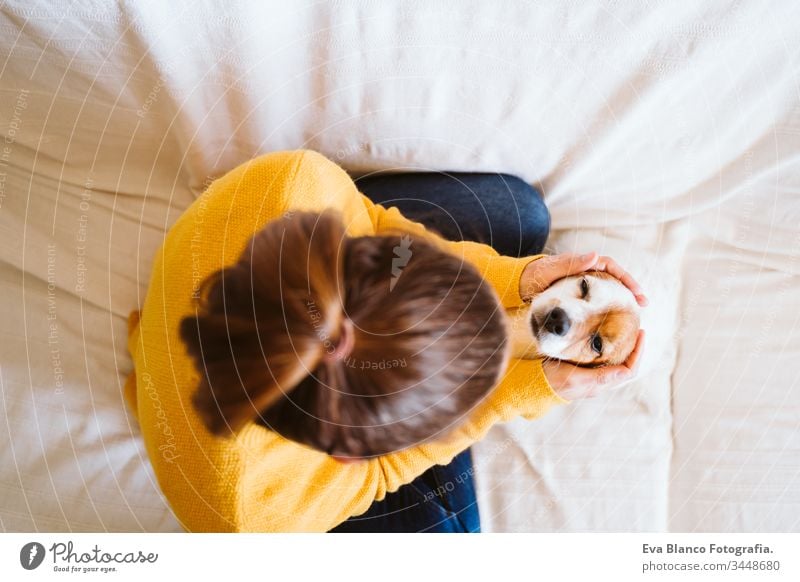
{"x": 589, "y": 320}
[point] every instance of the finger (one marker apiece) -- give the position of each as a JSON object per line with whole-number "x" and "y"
{"x": 567, "y": 378}
{"x": 630, "y": 367}
{"x": 567, "y": 264}
{"x": 634, "y": 360}
{"x": 608, "y": 376}
{"x": 584, "y": 382}
{"x": 611, "y": 267}
{"x": 605, "y": 379}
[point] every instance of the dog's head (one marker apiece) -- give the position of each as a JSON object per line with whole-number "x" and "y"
{"x": 590, "y": 319}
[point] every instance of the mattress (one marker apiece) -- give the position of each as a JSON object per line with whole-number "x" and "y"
{"x": 667, "y": 136}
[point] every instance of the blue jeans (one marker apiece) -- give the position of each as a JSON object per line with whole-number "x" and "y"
{"x": 496, "y": 209}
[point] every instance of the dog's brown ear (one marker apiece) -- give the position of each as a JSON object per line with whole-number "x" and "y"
{"x": 619, "y": 328}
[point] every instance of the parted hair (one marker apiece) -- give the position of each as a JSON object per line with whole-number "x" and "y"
{"x": 428, "y": 338}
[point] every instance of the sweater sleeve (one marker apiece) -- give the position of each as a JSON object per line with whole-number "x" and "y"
{"x": 333, "y": 491}
{"x": 524, "y": 391}
{"x": 503, "y": 273}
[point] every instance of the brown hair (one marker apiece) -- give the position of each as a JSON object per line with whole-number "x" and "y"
{"x": 428, "y": 338}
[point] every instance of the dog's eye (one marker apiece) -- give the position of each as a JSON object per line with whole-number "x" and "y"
{"x": 597, "y": 344}
{"x": 584, "y": 288}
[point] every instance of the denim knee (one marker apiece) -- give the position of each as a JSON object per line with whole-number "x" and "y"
{"x": 534, "y": 218}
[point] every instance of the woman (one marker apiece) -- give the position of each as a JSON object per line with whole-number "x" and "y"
{"x": 307, "y": 339}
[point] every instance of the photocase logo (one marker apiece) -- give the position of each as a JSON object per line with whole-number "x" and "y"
{"x": 402, "y": 254}
{"x": 31, "y": 555}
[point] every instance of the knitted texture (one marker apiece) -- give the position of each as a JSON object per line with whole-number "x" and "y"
{"x": 257, "y": 480}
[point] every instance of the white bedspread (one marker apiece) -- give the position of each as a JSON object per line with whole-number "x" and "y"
{"x": 665, "y": 135}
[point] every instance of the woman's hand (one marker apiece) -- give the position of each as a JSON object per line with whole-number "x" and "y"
{"x": 573, "y": 382}
{"x": 569, "y": 381}
{"x": 539, "y": 275}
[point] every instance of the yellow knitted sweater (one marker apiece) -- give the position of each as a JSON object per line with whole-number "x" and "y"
{"x": 257, "y": 480}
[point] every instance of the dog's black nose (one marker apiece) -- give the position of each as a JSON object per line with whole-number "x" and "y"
{"x": 557, "y": 322}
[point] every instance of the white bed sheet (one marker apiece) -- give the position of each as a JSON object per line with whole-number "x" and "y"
{"x": 644, "y": 125}
{"x": 736, "y": 384}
